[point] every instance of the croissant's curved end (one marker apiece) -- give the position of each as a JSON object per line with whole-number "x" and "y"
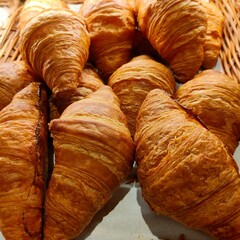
{"x": 89, "y": 82}
{"x": 14, "y": 76}
{"x": 94, "y": 155}
{"x": 133, "y": 80}
{"x": 215, "y": 98}
{"x": 111, "y": 25}
{"x": 213, "y": 42}
{"x": 184, "y": 170}
{"x": 32, "y": 8}
{"x": 23, "y": 163}
{"x": 176, "y": 29}
{"x": 63, "y": 35}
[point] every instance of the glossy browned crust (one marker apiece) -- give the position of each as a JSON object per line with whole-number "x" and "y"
{"x": 134, "y": 80}
{"x": 90, "y": 82}
{"x": 213, "y": 39}
{"x": 14, "y": 76}
{"x": 215, "y": 98}
{"x": 184, "y": 170}
{"x": 32, "y": 8}
{"x": 111, "y": 25}
{"x": 176, "y": 29}
{"x": 23, "y": 164}
{"x": 55, "y": 44}
{"x": 94, "y": 154}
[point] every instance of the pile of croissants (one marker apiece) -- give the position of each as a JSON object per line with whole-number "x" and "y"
{"x": 100, "y": 85}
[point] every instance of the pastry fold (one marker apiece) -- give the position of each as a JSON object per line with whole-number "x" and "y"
{"x": 55, "y": 44}
{"x": 176, "y": 29}
{"x": 111, "y": 25}
{"x": 132, "y": 81}
{"x": 94, "y": 155}
{"x": 215, "y": 99}
{"x": 89, "y": 82}
{"x": 14, "y": 76}
{"x": 23, "y": 164}
{"x": 32, "y": 8}
{"x": 213, "y": 39}
{"x": 185, "y": 171}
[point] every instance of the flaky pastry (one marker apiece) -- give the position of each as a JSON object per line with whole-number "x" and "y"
{"x": 23, "y": 163}
{"x": 111, "y": 24}
{"x": 184, "y": 170}
{"x": 55, "y": 44}
{"x": 14, "y": 76}
{"x": 215, "y": 99}
{"x": 134, "y": 80}
{"x": 94, "y": 155}
{"x": 176, "y": 29}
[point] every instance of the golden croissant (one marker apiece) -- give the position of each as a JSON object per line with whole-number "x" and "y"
{"x": 32, "y": 8}
{"x": 134, "y": 80}
{"x": 55, "y": 44}
{"x": 14, "y": 76}
{"x": 23, "y": 164}
{"x": 176, "y": 29}
{"x": 111, "y": 25}
{"x": 94, "y": 154}
{"x": 215, "y": 99}
{"x": 213, "y": 39}
{"x": 185, "y": 171}
{"x": 90, "y": 82}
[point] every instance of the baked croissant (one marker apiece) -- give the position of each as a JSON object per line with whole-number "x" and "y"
{"x": 176, "y": 29}
{"x": 90, "y": 82}
{"x": 32, "y": 8}
{"x": 14, "y": 76}
{"x": 55, "y": 44}
{"x": 213, "y": 39}
{"x": 215, "y": 98}
{"x": 111, "y": 25}
{"x": 23, "y": 164}
{"x": 94, "y": 154}
{"x": 184, "y": 170}
{"x": 134, "y": 80}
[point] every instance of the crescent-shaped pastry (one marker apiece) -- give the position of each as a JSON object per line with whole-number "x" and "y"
{"x": 55, "y": 44}
{"x": 213, "y": 39}
{"x": 134, "y": 80}
{"x": 23, "y": 163}
{"x": 176, "y": 29}
{"x": 185, "y": 171}
{"x": 215, "y": 99}
{"x": 94, "y": 155}
{"x": 90, "y": 82}
{"x": 32, "y": 8}
{"x": 111, "y": 25}
{"x": 14, "y": 76}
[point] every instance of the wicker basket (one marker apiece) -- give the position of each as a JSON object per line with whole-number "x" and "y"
{"x": 230, "y": 52}
{"x": 9, "y": 33}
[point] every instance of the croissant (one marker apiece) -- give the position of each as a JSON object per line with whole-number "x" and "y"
{"x": 176, "y": 29}
{"x": 185, "y": 171}
{"x": 55, "y": 44}
{"x": 90, "y": 82}
{"x": 213, "y": 39}
{"x": 94, "y": 154}
{"x": 23, "y": 164}
{"x": 14, "y": 76}
{"x": 111, "y": 25}
{"x": 134, "y": 80}
{"x": 32, "y": 8}
{"x": 215, "y": 98}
